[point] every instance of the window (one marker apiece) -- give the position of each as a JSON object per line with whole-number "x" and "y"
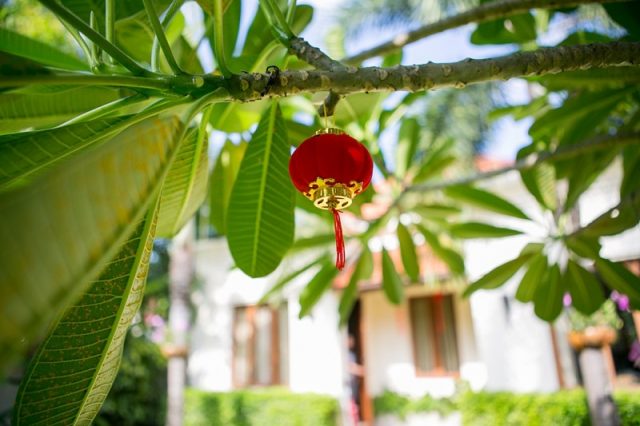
{"x": 433, "y": 330}
{"x": 260, "y": 346}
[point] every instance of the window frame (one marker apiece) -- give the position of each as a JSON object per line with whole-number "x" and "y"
{"x": 275, "y": 367}
{"x": 433, "y": 343}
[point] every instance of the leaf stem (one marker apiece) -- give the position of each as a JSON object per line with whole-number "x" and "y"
{"x": 166, "y": 20}
{"x": 218, "y": 39}
{"x": 87, "y": 80}
{"x": 93, "y": 63}
{"x": 291, "y": 12}
{"x": 115, "y": 52}
{"x": 109, "y": 22}
{"x": 161, "y": 37}
{"x": 105, "y": 109}
{"x": 277, "y": 21}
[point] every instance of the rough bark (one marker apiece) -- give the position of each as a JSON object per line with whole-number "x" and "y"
{"x": 483, "y": 13}
{"x": 250, "y": 87}
{"x": 598, "y": 388}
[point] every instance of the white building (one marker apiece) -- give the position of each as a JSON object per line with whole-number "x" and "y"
{"x": 424, "y": 345}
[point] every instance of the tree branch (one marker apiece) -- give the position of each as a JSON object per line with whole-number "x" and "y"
{"x": 248, "y": 87}
{"x": 483, "y": 13}
{"x": 316, "y": 57}
{"x": 532, "y": 160}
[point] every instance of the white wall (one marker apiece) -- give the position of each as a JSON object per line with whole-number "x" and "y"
{"x": 388, "y": 356}
{"x": 315, "y": 357}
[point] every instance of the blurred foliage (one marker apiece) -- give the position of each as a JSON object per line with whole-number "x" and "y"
{"x": 606, "y": 315}
{"x": 264, "y": 407}
{"x": 138, "y": 395}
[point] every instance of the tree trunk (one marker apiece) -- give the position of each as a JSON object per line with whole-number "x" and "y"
{"x": 598, "y": 387}
{"x": 180, "y": 277}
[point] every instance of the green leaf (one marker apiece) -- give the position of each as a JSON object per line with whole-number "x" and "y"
{"x": 286, "y": 279}
{"x": 581, "y": 178}
{"x": 452, "y": 258}
{"x": 408, "y": 253}
{"x": 66, "y": 224}
{"x": 621, "y": 279}
{"x": 19, "y": 111}
{"x": 586, "y": 293}
{"x": 540, "y": 180}
{"x": 515, "y": 29}
{"x": 626, "y": 14}
{"x": 221, "y": 183}
{"x": 391, "y": 281}
{"x": 532, "y": 278}
{"x": 436, "y": 211}
{"x": 260, "y": 214}
{"x": 631, "y": 171}
{"x": 480, "y": 230}
{"x": 25, "y": 155}
{"x": 185, "y": 188}
{"x": 70, "y": 375}
{"x": 618, "y": 219}
{"x": 17, "y": 65}
{"x": 592, "y": 79}
{"x": 560, "y": 119}
{"x": 583, "y": 246}
{"x": 320, "y": 283}
{"x": 362, "y": 271}
{"x": 501, "y": 274}
{"x": 20, "y": 45}
{"x": 435, "y": 161}
{"x": 484, "y": 200}
{"x": 548, "y": 296}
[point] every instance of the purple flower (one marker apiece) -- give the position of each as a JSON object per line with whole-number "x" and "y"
{"x": 566, "y": 300}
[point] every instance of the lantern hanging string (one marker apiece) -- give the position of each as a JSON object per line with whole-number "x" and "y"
{"x": 340, "y": 251}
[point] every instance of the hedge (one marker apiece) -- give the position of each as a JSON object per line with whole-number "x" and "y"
{"x": 267, "y": 407}
{"x": 508, "y": 409}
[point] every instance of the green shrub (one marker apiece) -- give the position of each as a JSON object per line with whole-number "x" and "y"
{"x": 270, "y": 406}
{"x": 399, "y": 405}
{"x": 628, "y": 407}
{"x": 138, "y": 395}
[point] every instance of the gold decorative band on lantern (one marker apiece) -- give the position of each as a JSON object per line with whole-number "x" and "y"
{"x": 326, "y": 194}
{"x": 330, "y": 131}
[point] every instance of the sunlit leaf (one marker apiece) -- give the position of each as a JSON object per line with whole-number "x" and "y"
{"x": 548, "y": 295}
{"x": 501, "y": 274}
{"x": 586, "y": 292}
{"x": 621, "y": 279}
{"x": 287, "y": 278}
{"x": 316, "y": 287}
{"x": 260, "y": 213}
{"x": 65, "y": 225}
{"x": 70, "y": 375}
{"x": 185, "y": 188}
{"x": 222, "y": 179}
{"x": 391, "y": 281}
{"x": 452, "y": 258}
{"x": 481, "y": 230}
{"x": 532, "y": 278}
{"x": 362, "y": 271}
{"x": 20, "y": 45}
{"x": 408, "y": 253}
{"x": 484, "y": 200}
{"x": 20, "y": 111}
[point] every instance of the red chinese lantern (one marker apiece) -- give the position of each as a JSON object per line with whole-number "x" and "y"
{"x": 331, "y": 168}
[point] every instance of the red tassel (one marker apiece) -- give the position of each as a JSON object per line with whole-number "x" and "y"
{"x": 337, "y": 227}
